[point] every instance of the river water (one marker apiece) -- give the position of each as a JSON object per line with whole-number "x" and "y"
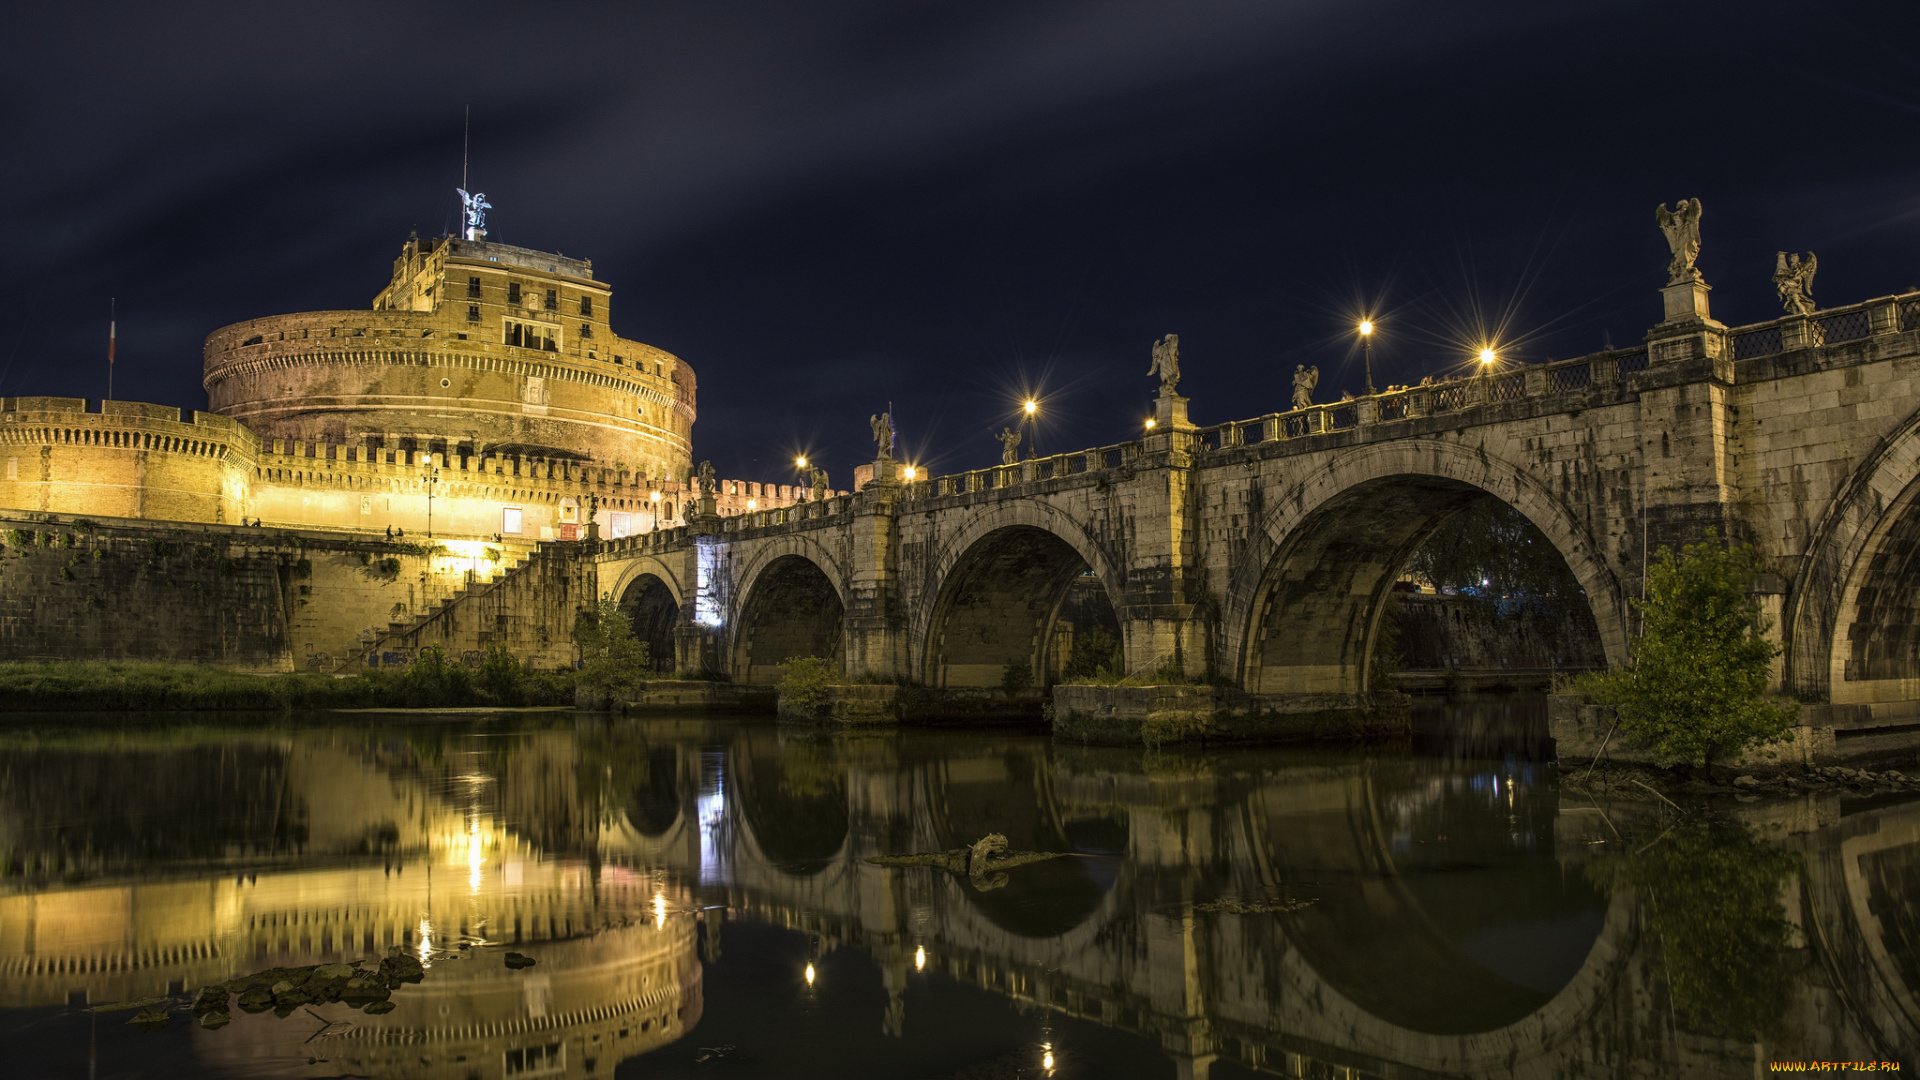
{"x": 696, "y": 899}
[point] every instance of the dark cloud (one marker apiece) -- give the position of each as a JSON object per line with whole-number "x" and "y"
{"x": 825, "y": 207}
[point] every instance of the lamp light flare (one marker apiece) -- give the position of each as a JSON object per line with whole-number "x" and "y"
{"x": 1046, "y": 1056}
{"x": 801, "y": 461}
{"x": 1366, "y": 327}
{"x": 920, "y": 958}
{"x": 1031, "y": 406}
{"x": 752, "y": 503}
{"x": 656, "y": 496}
{"x": 1149, "y": 423}
{"x": 1486, "y": 356}
{"x": 907, "y": 472}
{"x": 809, "y": 973}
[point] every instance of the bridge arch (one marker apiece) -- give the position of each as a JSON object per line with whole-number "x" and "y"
{"x": 1852, "y": 633}
{"x": 998, "y": 586}
{"x": 1306, "y": 593}
{"x": 792, "y": 602}
{"x": 649, "y": 595}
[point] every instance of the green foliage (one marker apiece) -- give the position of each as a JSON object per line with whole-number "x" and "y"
{"x": 432, "y": 681}
{"x": 1712, "y": 898}
{"x": 1094, "y": 651}
{"x": 66, "y": 540}
{"x": 19, "y": 538}
{"x": 1697, "y": 689}
{"x": 501, "y": 675}
{"x": 803, "y": 684}
{"x": 366, "y": 557}
{"x": 612, "y": 660}
{"x": 85, "y": 525}
{"x": 387, "y": 569}
{"x": 1493, "y": 543}
{"x": 302, "y": 569}
{"x": 1016, "y": 678}
{"x": 1383, "y": 673}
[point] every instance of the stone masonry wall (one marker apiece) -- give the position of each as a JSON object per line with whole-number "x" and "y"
{"x": 141, "y": 593}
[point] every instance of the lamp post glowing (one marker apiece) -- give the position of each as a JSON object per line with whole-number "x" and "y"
{"x": 1366, "y": 346}
{"x": 809, "y": 975}
{"x": 907, "y": 472}
{"x": 655, "y": 497}
{"x": 1486, "y": 356}
{"x": 1033, "y": 436}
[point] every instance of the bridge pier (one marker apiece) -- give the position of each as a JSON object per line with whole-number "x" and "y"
{"x": 876, "y": 641}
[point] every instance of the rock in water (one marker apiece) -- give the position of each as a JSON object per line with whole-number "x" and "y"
{"x": 516, "y": 961}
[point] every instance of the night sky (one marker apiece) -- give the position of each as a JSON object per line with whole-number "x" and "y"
{"x": 829, "y": 206}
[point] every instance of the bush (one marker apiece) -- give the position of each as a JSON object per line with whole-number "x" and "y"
{"x": 803, "y": 685}
{"x": 1017, "y": 677}
{"x": 1697, "y": 689}
{"x": 613, "y": 661}
{"x": 1094, "y": 651}
{"x": 501, "y": 675}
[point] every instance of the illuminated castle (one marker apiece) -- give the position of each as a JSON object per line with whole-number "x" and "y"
{"x": 484, "y": 394}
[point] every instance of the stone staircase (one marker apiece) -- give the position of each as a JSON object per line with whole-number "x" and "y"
{"x": 394, "y": 639}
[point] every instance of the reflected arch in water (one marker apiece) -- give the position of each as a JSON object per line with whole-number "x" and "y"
{"x": 793, "y": 796}
{"x": 792, "y": 606}
{"x": 654, "y": 803}
{"x": 1306, "y": 595}
{"x": 1005, "y": 585}
{"x": 1013, "y": 795}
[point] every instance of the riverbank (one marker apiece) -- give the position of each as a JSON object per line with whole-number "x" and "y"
{"x": 86, "y": 686}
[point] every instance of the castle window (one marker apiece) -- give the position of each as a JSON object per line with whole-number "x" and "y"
{"x": 586, "y": 307}
{"x": 553, "y": 300}
{"x": 513, "y": 293}
{"x": 473, "y": 286}
{"x": 586, "y": 330}
{"x": 473, "y": 314}
{"x": 513, "y": 334}
{"x": 620, "y": 360}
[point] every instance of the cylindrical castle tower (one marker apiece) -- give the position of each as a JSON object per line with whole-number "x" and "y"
{"x": 473, "y": 348}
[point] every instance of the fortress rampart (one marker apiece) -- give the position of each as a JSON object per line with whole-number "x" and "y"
{"x": 133, "y": 460}
{"x": 124, "y": 459}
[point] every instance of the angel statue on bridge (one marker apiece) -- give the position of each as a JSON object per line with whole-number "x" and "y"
{"x": 1682, "y": 228}
{"x": 1793, "y": 280}
{"x": 1166, "y": 363}
{"x": 818, "y": 479}
{"x": 883, "y": 434}
{"x": 706, "y": 479}
{"x": 1304, "y": 380}
{"x": 1009, "y": 446}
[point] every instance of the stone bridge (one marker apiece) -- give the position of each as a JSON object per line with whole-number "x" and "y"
{"x": 1262, "y": 550}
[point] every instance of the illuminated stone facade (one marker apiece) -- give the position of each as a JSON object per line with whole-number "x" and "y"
{"x": 484, "y": 395}
{"x": 472, "y": 348}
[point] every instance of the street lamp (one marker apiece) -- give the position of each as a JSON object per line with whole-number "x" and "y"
{"x": 907, "y": 472}
{"x": 433, "y": 478}
{"x": 1486, "y": 356}
{"x": 1366, "y": 345}
{"x": 655, "y": 497}
{"x": 1033, "y": 436}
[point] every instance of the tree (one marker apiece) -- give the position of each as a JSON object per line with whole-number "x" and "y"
{"x": 613, "y": 660}
{"x": 1492, "y": 549}
{"x": 1697, "y": 689}
{"x": 1712, "y": 898}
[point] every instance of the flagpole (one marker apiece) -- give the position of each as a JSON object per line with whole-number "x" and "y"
{"x": 113, "y": 310}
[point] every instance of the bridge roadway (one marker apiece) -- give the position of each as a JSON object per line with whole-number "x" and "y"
{"x": 596, "y": 845}
{"x": 1263, "y": 549}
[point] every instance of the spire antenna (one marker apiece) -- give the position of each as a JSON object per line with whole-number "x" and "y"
{"x": 466, "y": 140}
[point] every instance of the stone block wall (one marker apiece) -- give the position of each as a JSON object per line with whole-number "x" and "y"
{"x": 1439, "y": 632}
{"x": 134, "y": 592}
{"x": 530, "y": 609}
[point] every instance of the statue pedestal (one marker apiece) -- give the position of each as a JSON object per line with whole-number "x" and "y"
{"x": 1170, "y": 413}
{"x": 1686, "y": 302}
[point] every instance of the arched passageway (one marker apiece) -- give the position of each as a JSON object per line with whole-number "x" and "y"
{"x": 1315, "y": 615}
{"x": 791, "y": 609}
{"x": 1019, "y": 597}
{"x": 650, "y": 605}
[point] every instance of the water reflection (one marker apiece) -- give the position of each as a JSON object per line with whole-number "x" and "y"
{"x": 1285, "y": 912}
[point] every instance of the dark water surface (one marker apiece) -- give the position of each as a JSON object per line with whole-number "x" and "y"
{"x": 698, "y": 902}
